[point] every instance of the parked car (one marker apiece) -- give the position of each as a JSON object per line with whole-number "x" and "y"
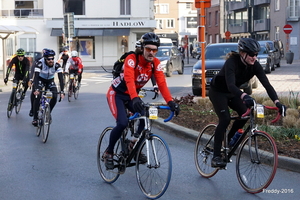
{"x": 166, "y": 42}
{"x": 170, "y": 59}
{"x": 214, "y": 60}
{"x": 266, "y": 59}
{"x": 276, "y": 49}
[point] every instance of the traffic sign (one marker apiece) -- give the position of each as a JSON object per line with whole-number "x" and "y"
{"x": 227, "y": 34}
{"x": 287, "y": 28}
{"x": 206, "y": 3}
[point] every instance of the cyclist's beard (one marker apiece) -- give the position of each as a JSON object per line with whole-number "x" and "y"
{"x": 50, "y": 64}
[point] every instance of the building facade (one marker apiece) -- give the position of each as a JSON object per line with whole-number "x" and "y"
{"x": 99, "y": 30}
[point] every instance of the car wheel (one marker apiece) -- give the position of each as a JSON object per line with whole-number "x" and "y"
{"x": 273, "y": 67}
{"x": 197, "y": 92}
{"x": 248, "y": 90}
{"x": 181, "y": 70}
{"x": 169, "y": 70}
{"x": 268, "y": 68}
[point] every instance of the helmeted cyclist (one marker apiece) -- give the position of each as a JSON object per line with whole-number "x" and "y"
{"x": 224, "y": 91}
{"x": 74, "y": 65}
{"x": 44, "y": 72}
{"x": 123, "y": 94}
{"x": 21, "y": 69}
{"x": 64, "y": 56}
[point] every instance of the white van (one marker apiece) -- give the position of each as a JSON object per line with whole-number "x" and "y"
{"x": 165, "y": 42}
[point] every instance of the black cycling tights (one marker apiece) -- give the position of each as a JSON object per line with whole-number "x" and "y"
{"x": 221, "y": 101}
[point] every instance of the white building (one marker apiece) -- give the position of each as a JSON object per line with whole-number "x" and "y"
{"x": 103, "y": 29}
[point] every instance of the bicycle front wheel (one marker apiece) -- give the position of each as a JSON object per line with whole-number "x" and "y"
{"x": 204, "y": 151}
{"x": 154, "y": 176}
{"x": 256, "y": 168}
{"x": 108, "y": 176}
{"x": 47, "y": 122}
{"x": 11, "y": 103}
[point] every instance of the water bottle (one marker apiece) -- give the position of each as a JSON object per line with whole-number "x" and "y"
{"x": 236, "y": 136}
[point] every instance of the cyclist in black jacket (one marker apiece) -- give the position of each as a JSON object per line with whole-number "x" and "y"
{"x": 21, "y": 69}
{"x": 224, "y": 91}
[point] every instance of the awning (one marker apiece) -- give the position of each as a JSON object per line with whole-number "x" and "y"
{"x": 116, "y": 32}
{"x": 56, "y": 32}
{"x": 94, "y": 32}
{"x": 17, "y": 29}
{"x": 90, "y": 32}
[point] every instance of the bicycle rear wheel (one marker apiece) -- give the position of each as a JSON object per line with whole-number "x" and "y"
{"x": 256, "y": 168}
{"x": 47, "y": 122}
{"x": 76, "y": 91}
{"x": 108, "y": 176}
{"x": 204, "y": 151}
{"x": 154, "y": 177}
{"x": 70, "y": 91}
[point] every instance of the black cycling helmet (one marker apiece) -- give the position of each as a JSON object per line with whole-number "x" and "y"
{"x": 20, "y": 52}
{"x": 248, "y": 45}
{"x": 150, "y": 38}
{"x": 48, "y": 53}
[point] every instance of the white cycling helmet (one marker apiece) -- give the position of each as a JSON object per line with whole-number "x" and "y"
{"x": 74, "y": 53}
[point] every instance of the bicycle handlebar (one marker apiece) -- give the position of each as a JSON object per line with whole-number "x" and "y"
{"x": 267, "y": 107}
{"x": 136, "y": 115}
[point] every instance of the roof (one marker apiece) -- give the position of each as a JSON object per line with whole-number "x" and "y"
{"x": 15, "y": 29}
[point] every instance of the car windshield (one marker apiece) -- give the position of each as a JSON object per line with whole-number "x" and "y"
{"x": 218, "y": 52}
{"x": 263, "y": 50}
{"x": 163, "y": 52}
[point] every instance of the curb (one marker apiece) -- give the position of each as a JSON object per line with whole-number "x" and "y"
{"x": 284, "y": 162}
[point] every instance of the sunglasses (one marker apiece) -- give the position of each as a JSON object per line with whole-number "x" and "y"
{"x": 148, "y": 49}
{"x": 252, "y": 54}
{"x": 49, "y": 58}
{"x": 20, "y": 56}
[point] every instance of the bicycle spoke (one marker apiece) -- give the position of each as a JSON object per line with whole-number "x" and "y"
{"x": 154, "y": 176}
{"x": 256, "y": 168}
{"x": 204, "y": 151}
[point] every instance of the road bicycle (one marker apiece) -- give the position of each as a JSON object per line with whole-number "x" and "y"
{"x": 44, "y": 114}
{"x": 153, "y": 177}
{"x": 256, "y": 158}
{"x": 73, "y": 88}
{"x": 16, "y": 98}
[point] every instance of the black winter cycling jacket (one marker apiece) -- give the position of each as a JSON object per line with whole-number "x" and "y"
{"x": 234, "y": 73}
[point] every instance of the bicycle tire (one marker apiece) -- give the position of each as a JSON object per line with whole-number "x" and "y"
{"x": 204, "y": 151}
{"x": 70, "y": 91}
{"x": 76, "y": 90}
{"x": 19, "y": 102}
{"x": 154, "y": 179}
{"x": 11, "y": 103}
{"x": 255, "y": 175}
{"x": 47, "y": 123}
{"x": 40, "y": 123}
{"x": 109, "y": 176}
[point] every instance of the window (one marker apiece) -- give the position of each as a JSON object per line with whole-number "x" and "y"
{"x": 75, "y": 6}
{"x": 276, "y": 32}
{"x": 159, "y": 24}
{"x": 293, "y": 12}
{"x": 216, "y": 18}
{"x": 23, "y": 4}
{"x": 28, "y": 44}
{"x": 125, "y": 7}
{"x": 217, "y": 38}
{"x": 191, "y": 22}
{"x": 277, "y": 5}
{"x": 169, "y": 23}
{"x": 164, "y": 9}
{"x": 209, "y": 19}
{"x": 156, "y": 9}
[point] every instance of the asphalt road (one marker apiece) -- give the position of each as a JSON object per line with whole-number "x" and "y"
{"x": 65, "y": 167}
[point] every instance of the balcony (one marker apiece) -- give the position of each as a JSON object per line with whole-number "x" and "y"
{"x": 238, "y": 27}
{"x": 292, "y": 14}
{"x": 261, "y": 25}
{"x": 237, "y": 5}
{"x": 22, "y": 13}
{"x": 261, "y": 2}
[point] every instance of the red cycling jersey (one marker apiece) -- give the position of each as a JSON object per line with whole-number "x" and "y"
{"x": 75, "y": 63}
{"x": 136, "y": 77}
